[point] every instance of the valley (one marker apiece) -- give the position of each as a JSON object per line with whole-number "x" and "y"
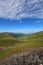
{"x": 10, "y": 44}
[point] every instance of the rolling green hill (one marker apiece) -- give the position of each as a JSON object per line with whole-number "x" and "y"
{"x": 7, "y": 40}
{"x": 33, "y": 37}
{"x": 10, "y": 44}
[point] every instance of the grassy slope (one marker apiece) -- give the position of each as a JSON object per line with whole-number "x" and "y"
{"x": 34, "y": 37}
{"x": 7, "y": 40}
{"x": 32, "y": 41}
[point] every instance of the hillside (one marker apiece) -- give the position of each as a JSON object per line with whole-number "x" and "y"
{"x": 33, "y": 37}
{"x": 36, "y": 37}
{"x": 7, "y": 39}
{"x": 10, "y": 45}
{"x": 7, "y": 34}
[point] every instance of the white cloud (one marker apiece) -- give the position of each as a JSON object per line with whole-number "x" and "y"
{"x": 21, "y": 8}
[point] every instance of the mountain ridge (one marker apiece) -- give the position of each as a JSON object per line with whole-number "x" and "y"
{"x": 20, "y": 34}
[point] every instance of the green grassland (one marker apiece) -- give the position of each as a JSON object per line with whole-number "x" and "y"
{"x": 19, "y": 44}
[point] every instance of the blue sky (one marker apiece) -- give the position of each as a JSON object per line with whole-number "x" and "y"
{"x": 25, "y": 25}
{"x": 21, "y": 16}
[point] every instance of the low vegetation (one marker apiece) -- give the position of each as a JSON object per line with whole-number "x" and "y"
{"x": 10, "y": 45}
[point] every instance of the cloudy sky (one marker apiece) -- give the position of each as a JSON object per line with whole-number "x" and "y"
{"x": 24, "y": 16}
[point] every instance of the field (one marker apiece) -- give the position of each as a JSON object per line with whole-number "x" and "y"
{"x": 10, "y": 45}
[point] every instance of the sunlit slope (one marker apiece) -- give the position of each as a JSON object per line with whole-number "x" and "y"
{"x": 7, "y": 40}
{"x": 19, "y": 44}
{"x": 37, "y": 37}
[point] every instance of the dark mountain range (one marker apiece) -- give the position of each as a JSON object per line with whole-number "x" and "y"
{"x": 13, "y": 34}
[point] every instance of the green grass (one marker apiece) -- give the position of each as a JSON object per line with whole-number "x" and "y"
{"x": 8, "y": 42}
{"x": 19, "y": 44}
{"x": 18, "y": 48}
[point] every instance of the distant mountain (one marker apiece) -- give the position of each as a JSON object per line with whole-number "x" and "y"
{"x": 33, "y": 37}
{"x": 13, "y": 34}
{"x": 16, "y": 34}
{"x": 8, "y": 39}
{"x": 7, "y": 34}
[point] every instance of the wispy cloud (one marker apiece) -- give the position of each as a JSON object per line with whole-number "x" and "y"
{"x": 21, "y": 8}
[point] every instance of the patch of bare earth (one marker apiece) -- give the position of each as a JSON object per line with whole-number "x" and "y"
{"x": 33, "y": 51}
